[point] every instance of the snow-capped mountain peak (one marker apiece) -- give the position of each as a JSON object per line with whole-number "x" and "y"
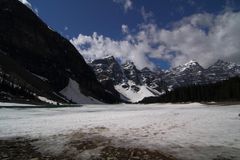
{"x": 191, "y": 66}
{"x": 191, "y": 63}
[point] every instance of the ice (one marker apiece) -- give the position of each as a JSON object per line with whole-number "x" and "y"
{"x": 187, "y": 131}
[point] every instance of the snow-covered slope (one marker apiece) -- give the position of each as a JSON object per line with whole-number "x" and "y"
{"x": 73, "y": 93}
{"x": 133, "y": 92}
{"x": 186, "y": 131}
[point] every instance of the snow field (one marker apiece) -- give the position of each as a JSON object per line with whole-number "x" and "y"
{"x": 187, "y": 131}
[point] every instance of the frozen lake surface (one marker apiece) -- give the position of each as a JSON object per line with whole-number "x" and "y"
{"x": 186, "y": 131}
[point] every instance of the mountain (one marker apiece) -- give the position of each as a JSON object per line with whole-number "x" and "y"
{"x": 222, "y": 70}
{"x": 193, "y": 73}
{"x": 183, "y": 75}
{"x": 153, "y": 79}
{"x": 39, "y": 59}
{"x": 109, "y": 73}
{"x": 108, "y": 69}
{"x": 131, "y": 72}
{"x": 125, "y": 79}
{"x": 133, "y": 84}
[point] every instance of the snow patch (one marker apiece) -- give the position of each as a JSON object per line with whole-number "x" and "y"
{"x": 4, "y": 104}
{"x": 44, "y": 99}
{"x": 51, "y": 28}
{"x": 40, "y": 77}
{"x": 73, "y": 93}
{"x": 131, "y": 94}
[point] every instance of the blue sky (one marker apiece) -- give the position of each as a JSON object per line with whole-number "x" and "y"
{"x": 115, "y": 24}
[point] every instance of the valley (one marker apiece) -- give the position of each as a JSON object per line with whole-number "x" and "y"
{"x": 78, "y": 83}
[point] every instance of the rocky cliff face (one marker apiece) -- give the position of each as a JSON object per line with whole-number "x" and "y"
{"x": 28, "y": 42}
{"x": 108, "y": 69}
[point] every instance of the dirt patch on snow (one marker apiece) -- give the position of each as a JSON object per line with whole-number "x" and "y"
{"x": 79, "y": 146}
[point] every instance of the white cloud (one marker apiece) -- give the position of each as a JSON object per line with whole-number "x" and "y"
{"x": 205, "y": 38}
{"x": 202, "y": 37}
{"x": 98, "y": 46}
{"x": 127, "y": 4}
{"x": 26, "y": 3}
{"x": 125, "y": 29}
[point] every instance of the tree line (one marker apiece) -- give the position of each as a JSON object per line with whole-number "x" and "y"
{"x": 227, "y": 90}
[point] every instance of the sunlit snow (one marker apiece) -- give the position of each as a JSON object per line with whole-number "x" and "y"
{"x": 73, "y": 93}
{"x": 134, "y": 96}
{"x": 187, "y": 131}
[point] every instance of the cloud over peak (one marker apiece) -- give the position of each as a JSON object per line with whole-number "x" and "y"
{"x": 203, "y": 37}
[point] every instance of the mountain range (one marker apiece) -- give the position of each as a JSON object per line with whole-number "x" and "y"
{"x": 38, "y": 65}
{"x": 134, "y": 84}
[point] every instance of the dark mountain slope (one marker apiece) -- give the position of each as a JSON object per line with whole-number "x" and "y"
{"x": 29, "y": 42}
{"x": 14, "y": 74}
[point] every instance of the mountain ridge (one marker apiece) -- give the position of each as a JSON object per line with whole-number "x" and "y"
{"x": 158, "y": 82}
